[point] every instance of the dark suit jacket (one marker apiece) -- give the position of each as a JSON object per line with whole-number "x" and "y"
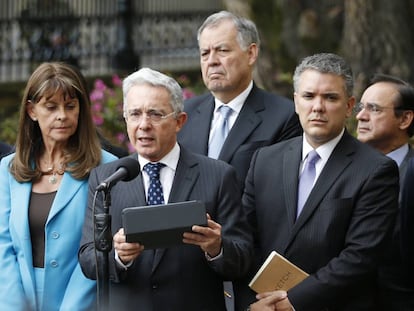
{"x": 338, "y": 236}
{"x": 395, "y": 286}
{"x": 407, "y": 220}
{"x": 179, "y": 278}
{"x": 265, "y": 119}
{"x": 5, "y": 149}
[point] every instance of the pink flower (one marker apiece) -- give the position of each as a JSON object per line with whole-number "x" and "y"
{"x": 96, "y": 107}
{"x": 187, "y": 93}
{"x": 116, "y": 80}
{"x": 98, "y": 120}
{"x": 183, "y": 79}
{"x": 100, "y": 85}
{"x": 121, "y": 137}
{"x": 97, "y": 95}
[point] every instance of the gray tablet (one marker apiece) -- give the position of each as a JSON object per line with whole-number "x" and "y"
{"x": 160, "y": 226}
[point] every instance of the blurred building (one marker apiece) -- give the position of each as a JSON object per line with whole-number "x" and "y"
{"x": 102, "y": 37}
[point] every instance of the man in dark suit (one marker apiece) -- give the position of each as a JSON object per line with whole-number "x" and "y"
{"x": 229, "y": 47}
{"x": 339, "y": 231}
{"x": 407, "y": 220}
{"x": 5, "y": 149}
{"x": 385, "y": 121}
{"x": 183, "y": 277}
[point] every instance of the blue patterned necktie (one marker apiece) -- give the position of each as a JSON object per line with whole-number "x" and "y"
{"x": 306, "y": 180}
{"x": 220, "y": 134}
{"x": 155, "y": 193}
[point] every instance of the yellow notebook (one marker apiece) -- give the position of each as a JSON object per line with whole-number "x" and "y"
{"x": 277, "y": 273}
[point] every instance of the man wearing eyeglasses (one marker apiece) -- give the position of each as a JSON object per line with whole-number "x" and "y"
{"x": 187, "y": 276}
{"x": 385, "y": 121}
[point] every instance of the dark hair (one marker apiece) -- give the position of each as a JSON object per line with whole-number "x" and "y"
{"x": 83, "y": 148}
{"x": 405, "y": 98}
{"x": 326, "y": 63}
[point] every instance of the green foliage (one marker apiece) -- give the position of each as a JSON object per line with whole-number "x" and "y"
{"x": 8, "y": 128}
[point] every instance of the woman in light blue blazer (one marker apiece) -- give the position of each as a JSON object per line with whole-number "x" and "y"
{"x": 43, "y": 195}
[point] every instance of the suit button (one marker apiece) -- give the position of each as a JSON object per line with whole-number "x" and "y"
{"x": 53, "y": 263}
{"x": 154, "y": 286}
{"x": 55, "y": 235}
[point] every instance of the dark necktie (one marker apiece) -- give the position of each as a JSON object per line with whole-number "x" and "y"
{"x": 306, "y": 180}
{"x": 155, "y": 193}
{"x": 222, "y": 129}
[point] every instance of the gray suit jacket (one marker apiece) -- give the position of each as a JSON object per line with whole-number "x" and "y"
{"x": 178, "y": 278}
{"x": 340, "y": 233}
{"x": 265, "y": 119}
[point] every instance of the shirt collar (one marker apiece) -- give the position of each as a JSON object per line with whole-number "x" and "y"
{"x": 170, "y": 159}
{"x": 399, "y": 154}
{"x": 236, "y": 103}
{"x": 324, "y": 150}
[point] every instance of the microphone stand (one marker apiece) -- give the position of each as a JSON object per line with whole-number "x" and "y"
{"x": 103, "y": 243}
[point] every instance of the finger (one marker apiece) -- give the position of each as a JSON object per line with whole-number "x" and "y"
{"x": 274, "y": 296}
{"x": 119, "y": 237}
{"x": 212, "y": 229}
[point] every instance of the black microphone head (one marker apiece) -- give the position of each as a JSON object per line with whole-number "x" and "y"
{"x": 132, "y": 167}
{"x": 126, "y": 170}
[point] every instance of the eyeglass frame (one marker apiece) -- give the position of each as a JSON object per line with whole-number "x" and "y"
{"x": 373, "y": 108}
{"x": 149, "y": 116}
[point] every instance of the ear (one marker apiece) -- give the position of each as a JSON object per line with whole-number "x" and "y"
{"x": 295, "y": 95}
{"x": 181, "y": 119}
{"x": 253, "y": 52}
{"x": 350, "y": 106}
{"x": 30, "y": 110}
{"x": 406, "y": 119}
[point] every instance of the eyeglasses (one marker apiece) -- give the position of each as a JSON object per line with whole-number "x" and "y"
{"x": 153, "y": 116}
{"x": 372, "y": 108}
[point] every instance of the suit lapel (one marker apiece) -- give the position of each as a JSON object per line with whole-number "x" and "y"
{"x": 186, "y": 176}
{"x": 245, "y": 124}
{"x": 202, "y": 118}
{"x": 67, "y": 189}
{"x": 134, "y": 189}
{"x": 340, "y": 158}
{"x": 291, "y": 163}
{"x": 403, "y": 166}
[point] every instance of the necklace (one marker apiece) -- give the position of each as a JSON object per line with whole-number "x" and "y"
{"x": 53, "y": 173}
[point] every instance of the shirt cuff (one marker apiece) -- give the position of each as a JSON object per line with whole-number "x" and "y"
{"x": 120, "y": 264}
{"x": 209, "y": 258}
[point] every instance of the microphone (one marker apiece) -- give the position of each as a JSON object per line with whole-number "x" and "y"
{"x": 126, "y": 170}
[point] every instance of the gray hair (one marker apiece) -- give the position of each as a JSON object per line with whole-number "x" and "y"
{"x": 157, "y": 79}
{"x": 246, "y": 29}
{"x": 326, "y": 63}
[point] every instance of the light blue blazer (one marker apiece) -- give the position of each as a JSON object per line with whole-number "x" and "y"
{"x": 65, "y": 286}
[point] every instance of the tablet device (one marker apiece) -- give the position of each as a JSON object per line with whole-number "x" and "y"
{"x": 160, "y": 226}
